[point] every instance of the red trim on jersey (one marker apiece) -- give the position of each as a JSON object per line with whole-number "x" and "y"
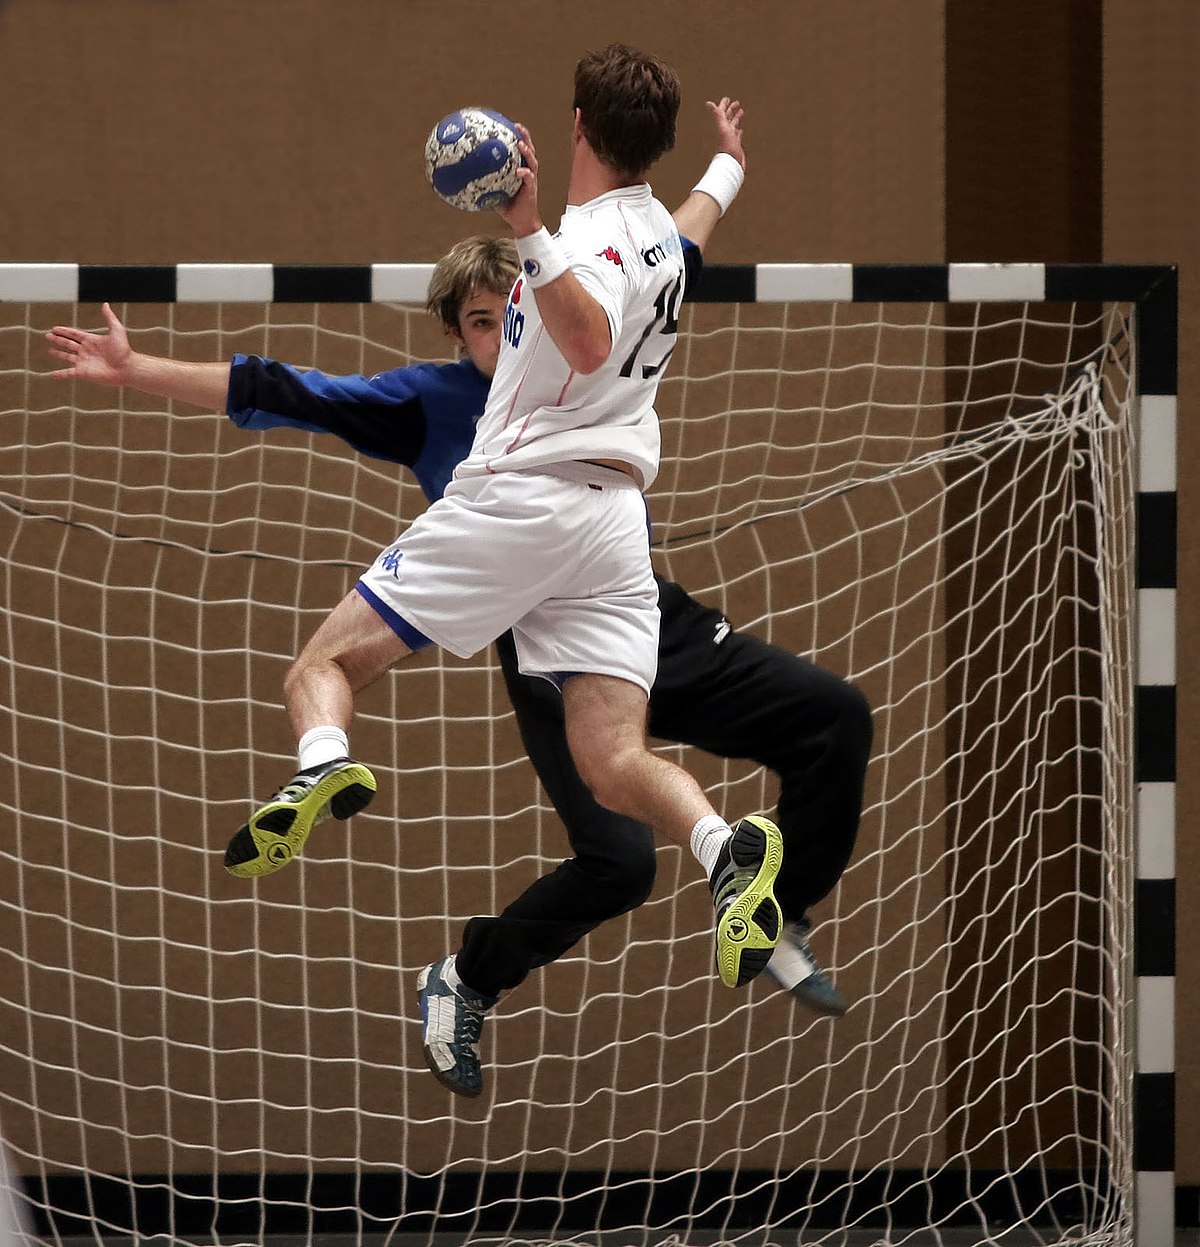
{"x": 517, "y": 394}
{"x": 525, "y": 423}
{"x": 524, "y": 375}
{"x": 520, "y": 434}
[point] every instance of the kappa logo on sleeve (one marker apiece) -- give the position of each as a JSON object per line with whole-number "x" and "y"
{"x": 611, "y": 253}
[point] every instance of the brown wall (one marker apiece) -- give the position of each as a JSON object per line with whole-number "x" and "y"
{"x": 290, "y": 130}
{"x": 1152, "y": 213}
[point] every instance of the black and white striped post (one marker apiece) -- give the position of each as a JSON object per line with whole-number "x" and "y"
{"x": 1154, "y": 768}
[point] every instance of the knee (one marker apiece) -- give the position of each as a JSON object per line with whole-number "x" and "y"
{"x": 639, "y": 866}
{"x": 622, "y": 877}
{"x": 827, "y": 730}
{"x": 305, "y": 669}
{"x": 605, "y": 777}
{"x": 294, "y": 679}
{"x": 853, "y": 723}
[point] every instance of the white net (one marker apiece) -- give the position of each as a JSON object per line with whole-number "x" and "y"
{"x": 933, "y": 501}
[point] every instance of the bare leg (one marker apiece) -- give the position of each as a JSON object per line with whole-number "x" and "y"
{"x": 606, "y": 730}
{"x": 352, "y": 648}
{"x": 349, "y": 651}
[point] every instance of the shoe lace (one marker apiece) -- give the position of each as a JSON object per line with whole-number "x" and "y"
{"x": 469, "y": 1023}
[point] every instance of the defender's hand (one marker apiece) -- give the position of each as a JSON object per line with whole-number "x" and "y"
{"x": 100, "y": 357}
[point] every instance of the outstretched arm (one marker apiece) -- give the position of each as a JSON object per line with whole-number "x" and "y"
{"x": 108, "y": 359}
{"x": 699, "y": 213}
{"x": 381, "y": 416}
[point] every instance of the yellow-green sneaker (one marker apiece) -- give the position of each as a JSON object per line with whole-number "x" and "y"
{"x": 749, "y": 920}
{"x": 277, "y": 831}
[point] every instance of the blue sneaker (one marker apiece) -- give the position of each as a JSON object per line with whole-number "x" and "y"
{"x": 749, "y": 920}
{"x": 451, "y": 1023}
{"x": 794, "y": 967}
{"x": 278, "y": 830}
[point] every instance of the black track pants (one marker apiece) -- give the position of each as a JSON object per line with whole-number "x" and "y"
{"x": 727, "y": 693}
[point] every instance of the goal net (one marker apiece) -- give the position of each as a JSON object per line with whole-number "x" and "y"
{"x": 932, "y": 500}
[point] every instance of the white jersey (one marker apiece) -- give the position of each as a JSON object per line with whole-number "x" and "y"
{"x": 625, "y": 250}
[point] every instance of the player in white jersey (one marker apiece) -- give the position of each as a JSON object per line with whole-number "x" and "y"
{"x": 544, "y": 531}
{"x": 624, "y": 250}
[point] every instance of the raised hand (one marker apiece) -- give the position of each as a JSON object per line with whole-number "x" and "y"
{"x": 100, "y": 357}
{"x": 727, "y": 116}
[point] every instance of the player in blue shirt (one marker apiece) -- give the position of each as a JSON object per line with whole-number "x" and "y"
{"x": 724, "y": 691}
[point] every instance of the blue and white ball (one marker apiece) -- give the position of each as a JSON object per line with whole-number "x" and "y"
{"x": 471, "y": 159}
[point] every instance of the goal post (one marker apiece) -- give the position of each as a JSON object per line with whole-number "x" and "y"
{"x": 953, "y": 484}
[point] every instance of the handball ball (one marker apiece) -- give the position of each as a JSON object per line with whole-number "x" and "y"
{"x": 471, "y": 159}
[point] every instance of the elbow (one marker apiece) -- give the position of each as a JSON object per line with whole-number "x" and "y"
{"x": 587, "y": 362}
{"x": 583, "y": 337}
{"x": 586, "y": 352}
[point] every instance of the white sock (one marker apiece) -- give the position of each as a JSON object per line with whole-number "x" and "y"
{"x": 454, "y": 979}
{"x": 322, "y": 744}
{"x": 709, "y": 837}
{"x": 450, "y": 974}
{"x": 788, "y": 965}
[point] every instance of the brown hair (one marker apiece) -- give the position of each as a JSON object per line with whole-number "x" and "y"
{"x": 628, "y": 102}
{"x": 476, "y": 263}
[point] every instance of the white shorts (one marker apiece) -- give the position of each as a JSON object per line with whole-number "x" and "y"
{"x": 563, "y": 563}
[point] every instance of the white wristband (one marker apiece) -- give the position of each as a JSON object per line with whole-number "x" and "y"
{"x": 722, "y": 180}
{"x": 542, "y": 259}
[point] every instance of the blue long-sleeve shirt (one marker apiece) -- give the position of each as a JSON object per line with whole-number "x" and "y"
{"x": 422, "y": 416}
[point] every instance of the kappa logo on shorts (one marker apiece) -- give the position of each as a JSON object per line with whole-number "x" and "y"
{"x": 611, "y": 253}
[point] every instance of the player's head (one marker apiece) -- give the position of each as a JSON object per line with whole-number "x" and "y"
{"x": 626, "y": 103}
{"x": 468, "y": 291}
